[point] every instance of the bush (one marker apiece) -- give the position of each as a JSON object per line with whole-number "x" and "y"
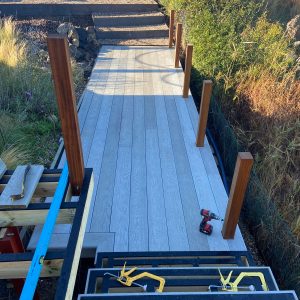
{"x": 28, "y": 109}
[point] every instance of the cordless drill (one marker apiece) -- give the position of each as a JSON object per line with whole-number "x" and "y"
{"x": 207, "y": 215}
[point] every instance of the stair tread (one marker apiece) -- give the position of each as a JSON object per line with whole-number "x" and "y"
{"x": 132, "y": 28}
{"x": 135, "y": 42}
{"x": 127, "y": 14}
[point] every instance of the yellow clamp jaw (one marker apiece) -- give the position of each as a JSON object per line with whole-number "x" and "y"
{"x": 233, "y": 286}
{"x": 125, "y": 278}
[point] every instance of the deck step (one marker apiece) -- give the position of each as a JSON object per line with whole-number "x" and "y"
{"x": 138, "y": 32}
{"x": 118, "y": 19}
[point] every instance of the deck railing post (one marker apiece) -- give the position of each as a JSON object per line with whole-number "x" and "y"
{"x": 237, "y": 193}
{"x": 187, "y": 70}
{"x": 178, "y": 43}
{"x": 203, "y": 113}
{"x": 171, "y": 28}
{"x": 64, "y": 90}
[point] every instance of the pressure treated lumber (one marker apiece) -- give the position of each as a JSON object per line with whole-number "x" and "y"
{"x": 64, "y": 90}
{"x": 187, "y": 70}
{"x": 237, "y": 193}
{"x": 2, "y": 168}
{"x": 203, "y": 114}
{"x": 33, "y": 217}
{"x": 19, "y": 269}
{"x": 171, "y": 28}
{"x": 14, "y": 186}
{"x": 178, "y": 43}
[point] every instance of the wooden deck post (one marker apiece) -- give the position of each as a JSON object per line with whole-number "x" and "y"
{"x": 64, "y": 90}
{"x": 171, "y": 28}
{"x": 178, "y": 43}
{"x": 187, "y": 70}
{"x": 203, "y": 114}
{"x": 237, "y": 192}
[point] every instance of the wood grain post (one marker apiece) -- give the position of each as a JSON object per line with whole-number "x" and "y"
{"x": 187, "y": 70}
{"x": 171, "y": 28}
{"x": 65, "y": 96}
{"x": 237, "y": 193}
{"x": 203, "y": 114}
{"x": 178, "y": 43}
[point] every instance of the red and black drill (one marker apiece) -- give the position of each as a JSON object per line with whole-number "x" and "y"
{"x": 207, "y": 215}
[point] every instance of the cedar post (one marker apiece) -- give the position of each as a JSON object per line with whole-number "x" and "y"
{"x": 187, "y": 70}
{"x": 237, "y": 193}
{"x": 178, "y": 43}
{"x": 203, "y": 114}
{"x": 171, "y": 28}
{"x": 65, "y": 96}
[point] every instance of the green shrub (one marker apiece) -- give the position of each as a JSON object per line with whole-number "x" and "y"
{"x": 28, "y": 111}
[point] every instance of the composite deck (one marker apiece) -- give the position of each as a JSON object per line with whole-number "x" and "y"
{"x": 138, "y": 134}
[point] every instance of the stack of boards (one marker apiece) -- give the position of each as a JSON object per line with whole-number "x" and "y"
{"x": 16, "y": 186}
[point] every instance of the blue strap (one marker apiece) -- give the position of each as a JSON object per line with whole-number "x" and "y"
{"x": 43, "y": 243}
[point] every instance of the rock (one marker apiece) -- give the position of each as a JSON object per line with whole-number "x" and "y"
{"x": 90, "y": 29}
{"x": 82, "y": 34}
{"x": 297, "y": 47}
{"x": 73, "y": 37}
{"x": 76, "y": 53}
{"x": 64, "y": 28}
{"x": 293, "y": 28}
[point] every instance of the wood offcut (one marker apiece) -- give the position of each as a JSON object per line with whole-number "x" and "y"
{"x": 15, "y": 186}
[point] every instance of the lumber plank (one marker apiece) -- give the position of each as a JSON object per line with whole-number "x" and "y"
{"x": 33, "y": 217}
{"x": 3, "y": 168}
{"x": 19, "y": 269}
{"x": 14, "y": 186}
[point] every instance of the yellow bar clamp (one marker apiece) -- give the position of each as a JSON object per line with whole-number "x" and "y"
{"x": 129, "y": 280}
{"x": 233, "y": 286}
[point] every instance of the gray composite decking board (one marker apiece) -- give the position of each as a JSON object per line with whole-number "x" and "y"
{"x": 138, "y": 221}
{"x": 158, "y": 231}
{"x": 173, "y": 206}
{"x": 203, "y": 189}
{"x": 189, "y": 199}
{"x": 119, "y": 223}
{"x": 97, "y": 148}
{"x": 212, "y": 172}
{"x": 102, "y": 208}
{"x": 139, "y": 137}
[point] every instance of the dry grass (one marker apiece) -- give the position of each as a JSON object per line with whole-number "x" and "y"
{"x": 274, "y": 123}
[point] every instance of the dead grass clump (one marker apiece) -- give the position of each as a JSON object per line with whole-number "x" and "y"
{"x": 274, "y": 119}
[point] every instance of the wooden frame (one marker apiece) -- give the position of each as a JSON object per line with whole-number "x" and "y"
{"x": 63, "y": 263}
